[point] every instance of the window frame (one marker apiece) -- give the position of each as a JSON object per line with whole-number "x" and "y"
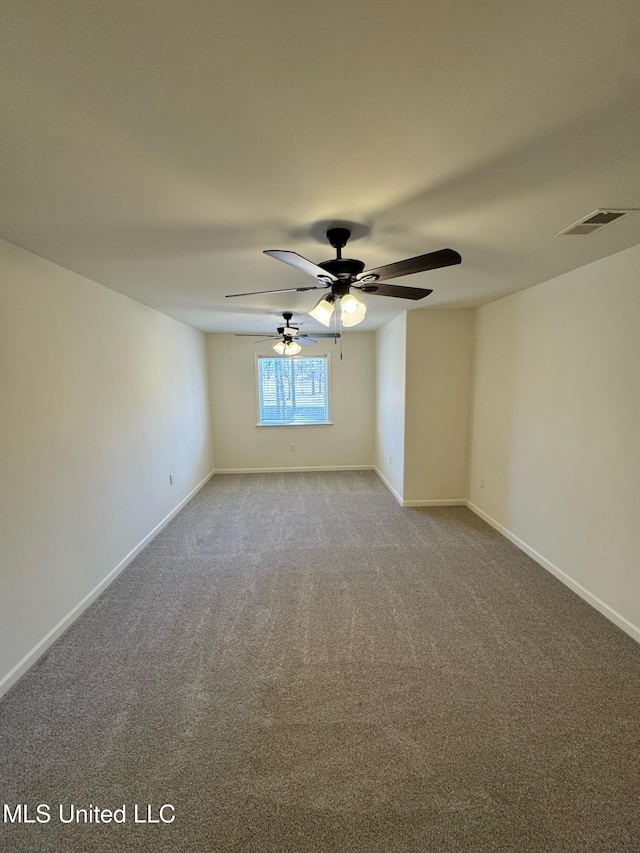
{"x": 323, "y": 355}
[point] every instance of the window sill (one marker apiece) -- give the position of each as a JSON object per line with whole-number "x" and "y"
{"x": 295, "y": 426}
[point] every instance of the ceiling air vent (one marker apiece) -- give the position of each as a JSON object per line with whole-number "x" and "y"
{"x": 595, "y": 221}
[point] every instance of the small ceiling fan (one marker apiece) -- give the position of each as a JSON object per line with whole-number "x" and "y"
{"x": 289, "y": 337}
{"x": 340, "y": 275}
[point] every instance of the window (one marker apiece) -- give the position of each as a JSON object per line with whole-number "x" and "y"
{"x": 293, "y": 391}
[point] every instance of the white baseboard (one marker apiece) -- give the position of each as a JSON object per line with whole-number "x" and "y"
{"x": 439, "y": 502}
{"x": 40, "y": 648}
{"x": 389, "y": 486}
{"x": 430, "y": 502}
{"x": 611, "y": 614}
{"x": 294, "y": 470}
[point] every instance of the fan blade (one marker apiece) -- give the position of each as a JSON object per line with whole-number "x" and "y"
{"x": 430, "y": 261}
{"x": 257, "y": 335}
{"x": 381, "y": 289}
{"x": 300, "y": 263}
{"x": 284, "y": 290}
{"x": 261, "y": 340}
{"x": 320, "y": 335}
{"x": 305, "y": 340}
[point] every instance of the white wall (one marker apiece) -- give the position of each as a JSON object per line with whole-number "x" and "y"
{"x": 391, "y": 349}
{"x": 556, "y": 427}
{"x": 102, "y": 398}
{"x": 438, "y": 404}
{"x": 240, "y": 445}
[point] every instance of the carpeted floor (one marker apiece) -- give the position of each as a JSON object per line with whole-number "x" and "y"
{"x": 297, "y": 664}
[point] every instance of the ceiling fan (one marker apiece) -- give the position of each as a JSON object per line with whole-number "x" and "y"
{"x": 340, "y": 275}
{"x": 289, "y": 337}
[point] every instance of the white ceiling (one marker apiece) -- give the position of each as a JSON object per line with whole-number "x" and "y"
{"x": 158, "y": 146}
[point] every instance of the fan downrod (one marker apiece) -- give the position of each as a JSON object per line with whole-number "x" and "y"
{"x": 345, "y": 269}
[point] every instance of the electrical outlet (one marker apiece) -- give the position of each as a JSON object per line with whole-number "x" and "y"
{"x": 292, "y": 447}
{"x": 482, "y": 482}
{"x": 389, "y": 460}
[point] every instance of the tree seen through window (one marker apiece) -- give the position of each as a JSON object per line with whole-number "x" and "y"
{"x": 293, "y": 391}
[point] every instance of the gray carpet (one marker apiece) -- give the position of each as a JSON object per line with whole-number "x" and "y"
{"x": 297, "y": 664}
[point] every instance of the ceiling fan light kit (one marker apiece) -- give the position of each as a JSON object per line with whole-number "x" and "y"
{"x": 287, "y": 348}
{"x": 352, "y": 311}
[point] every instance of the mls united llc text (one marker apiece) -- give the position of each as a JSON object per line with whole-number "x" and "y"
{"x": 70, "y": 813}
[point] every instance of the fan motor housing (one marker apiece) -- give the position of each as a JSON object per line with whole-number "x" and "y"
{"x": 345, "y": 269}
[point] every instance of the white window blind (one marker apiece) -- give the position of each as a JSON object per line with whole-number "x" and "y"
{"x": 293, "y": 391}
